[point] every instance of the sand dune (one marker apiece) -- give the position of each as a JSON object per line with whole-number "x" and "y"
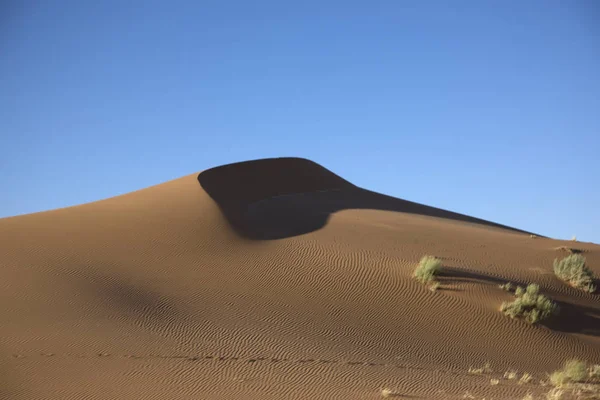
{"x": 274, "y": 279}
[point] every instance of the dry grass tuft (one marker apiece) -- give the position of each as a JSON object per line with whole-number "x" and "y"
{"x": 427, "y": 269}
{"x": 486, "y": 369}
{"x": 555, "y": 394}
{"x": 510, "y": 374}
{"x": 525, "y": 378}
{"x": 582, "y": 380}
{"x": 573, "y": 270}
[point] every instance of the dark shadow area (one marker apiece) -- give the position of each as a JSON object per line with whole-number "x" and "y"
{"x": 448, "y": 289}
{"x": 575, "y": 318}
{"x": 135, "y": 300}
{"x": 450, "y": 275}
{"x": 284, "y": 197}
{"x": 569, "y": 250}
{"x": 572, "y": 318}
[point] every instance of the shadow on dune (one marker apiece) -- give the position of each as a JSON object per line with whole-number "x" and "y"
{"x": 135, "y": 300}
{"x": 283, "y": 197}
{"x": 573, "y": 318}
{"x": 451, "y": 275}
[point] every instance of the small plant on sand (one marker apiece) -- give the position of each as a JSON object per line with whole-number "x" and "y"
{"x": 573, "y": 270}
{"x": 573, "y": 371}
{"x": 508, "y": 286}
{"x": 555, "y": 394}
{"x": 510, "y": 374}
{"x": 577, "y": 377}
{"x": 427, "y": 269}
{"x": 530, "y": 305}
{"x": 525, "y": 378}
{"x": 435, "y": 286}
{"x": 387, "y": 393}
{"x": 559, "y": 378}
{"x": 486, "y": 369}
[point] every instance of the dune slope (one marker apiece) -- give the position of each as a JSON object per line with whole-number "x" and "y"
{"x": 274, "y": 279}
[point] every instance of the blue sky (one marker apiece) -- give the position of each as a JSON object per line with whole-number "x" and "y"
{"x": 488, "y": 108}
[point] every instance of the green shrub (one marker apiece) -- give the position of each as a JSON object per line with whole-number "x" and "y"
{"x": 573, "y": 270}
{"x": 558, "y": 378}
{"x": 428, "y": 267}
{"x": 573, "y": 371}
{"x": 530, "y": 305}
{"x": 508, "y": 286}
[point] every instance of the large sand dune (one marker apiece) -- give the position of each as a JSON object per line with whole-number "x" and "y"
{"x": 274, "y": 279}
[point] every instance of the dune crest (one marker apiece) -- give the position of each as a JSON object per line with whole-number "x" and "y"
{"x": 274, "y": 279}
{"x": 283, "y": 197}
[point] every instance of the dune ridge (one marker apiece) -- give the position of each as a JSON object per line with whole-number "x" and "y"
{"x": 273, "y": 279}
{"x": 298, "y": 195}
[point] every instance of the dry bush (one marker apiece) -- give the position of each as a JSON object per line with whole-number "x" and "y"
{"x": 573, "y": 270}
{"x": 530, "y": 305}
{"x": 427, "y": 269}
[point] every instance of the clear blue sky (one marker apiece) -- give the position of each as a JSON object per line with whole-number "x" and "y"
{"x": 489, "y": 108}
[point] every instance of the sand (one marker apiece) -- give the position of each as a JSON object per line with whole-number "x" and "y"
{"x": 275, "y": 279}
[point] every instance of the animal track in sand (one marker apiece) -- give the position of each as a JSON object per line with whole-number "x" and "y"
{"x": 247, "y": 360}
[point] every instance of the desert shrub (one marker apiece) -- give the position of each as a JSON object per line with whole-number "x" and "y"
{"x": 575, "y": 378}
{"x": 558, "y": 378}
{"x": 428, "y": 267}
{"x": 508, "y": 286}
{"x": 530, "y": 305}
{"x": 573, "y": 371}
{"x": 573, "y": 270}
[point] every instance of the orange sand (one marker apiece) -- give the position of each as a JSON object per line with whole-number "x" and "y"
{"x": 274, "y": 279}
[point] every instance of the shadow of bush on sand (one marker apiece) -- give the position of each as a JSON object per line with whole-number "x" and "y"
{"x": 572, "y": 318}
